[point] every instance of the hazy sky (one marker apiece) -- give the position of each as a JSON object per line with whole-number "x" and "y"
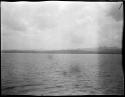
{"x": 61, "y": 25}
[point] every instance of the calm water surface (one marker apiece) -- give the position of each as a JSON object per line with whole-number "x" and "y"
{"x": 61, "y": 74}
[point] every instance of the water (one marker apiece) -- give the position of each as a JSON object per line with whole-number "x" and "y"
{"x": 61, "y": 74}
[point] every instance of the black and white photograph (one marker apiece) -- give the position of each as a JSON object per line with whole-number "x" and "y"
{"x": 61, "y": 48}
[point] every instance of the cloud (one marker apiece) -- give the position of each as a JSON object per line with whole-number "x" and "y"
{"x": 111, "y": 26}
{"x": 54, "y": 26}
{"x": 115, "y": 12}
{"x": 10, "y": 18}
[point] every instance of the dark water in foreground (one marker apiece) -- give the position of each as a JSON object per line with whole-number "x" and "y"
{"x": 61, "y": 74}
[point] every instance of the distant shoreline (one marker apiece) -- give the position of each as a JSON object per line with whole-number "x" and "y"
{"x": 107, "y": 51}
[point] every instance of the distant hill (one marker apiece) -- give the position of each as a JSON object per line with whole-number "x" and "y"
{"x": 72, "y": 51}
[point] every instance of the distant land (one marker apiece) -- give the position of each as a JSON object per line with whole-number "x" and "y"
{"x": 70, "y": 51}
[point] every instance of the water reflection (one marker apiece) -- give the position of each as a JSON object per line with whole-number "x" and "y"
{"x": 111, "y": 77}
{"x": 62, "y": 74}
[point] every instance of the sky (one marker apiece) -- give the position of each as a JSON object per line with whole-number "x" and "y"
{"x": 56, "y": 25}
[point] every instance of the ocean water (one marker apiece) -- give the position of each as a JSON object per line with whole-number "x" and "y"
{"x": 61, "y": 74}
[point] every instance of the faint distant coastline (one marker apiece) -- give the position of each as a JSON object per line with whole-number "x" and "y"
{"x": 73, "y": 51}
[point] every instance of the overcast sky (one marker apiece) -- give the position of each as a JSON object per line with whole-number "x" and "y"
{"x": 61, "y": 25}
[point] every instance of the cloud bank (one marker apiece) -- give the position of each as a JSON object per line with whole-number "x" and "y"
{"x": 61, "y": 25}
